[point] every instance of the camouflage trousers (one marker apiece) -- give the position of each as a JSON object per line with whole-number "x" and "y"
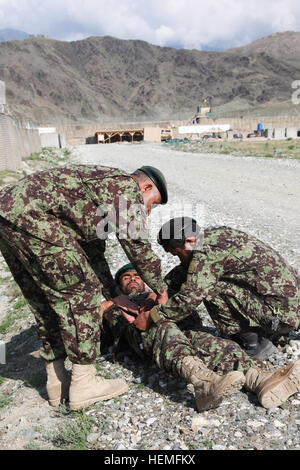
{"x": 62, "y": 289}
{"x": 238, "y": 309}
{"x": 167, "y": 344}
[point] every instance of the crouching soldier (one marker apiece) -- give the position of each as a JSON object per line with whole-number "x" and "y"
{"x": 240, "y": 280}
{"x": 251, "y": 294}
{"x": 48, "y": 225}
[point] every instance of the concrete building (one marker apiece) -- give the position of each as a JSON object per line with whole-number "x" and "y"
{"x": 200, "y": 130}
{"x": 152, "y": 134}
{"x": 279, "y": 133}
{"x": 292, "y": 132}
{"x": 50, "y": 138}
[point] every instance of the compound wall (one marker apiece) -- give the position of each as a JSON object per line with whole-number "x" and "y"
{"x": 16, "y": 143}
{"x": 83, "y": 133}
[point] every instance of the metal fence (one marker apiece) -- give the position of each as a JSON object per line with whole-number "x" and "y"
{"x": 16, "y": 143}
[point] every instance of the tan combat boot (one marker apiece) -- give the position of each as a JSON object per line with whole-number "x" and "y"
{"x": 58, "y": 382}
{"x": 274, "y": 387}
{"x": 87, "y": 389}
{"x": 210, "y": 388}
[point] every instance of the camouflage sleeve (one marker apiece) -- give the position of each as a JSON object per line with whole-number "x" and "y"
{"x": 203, "y": 274}
{"x": 129, "y": 224}
{"x": 174, "y": 279}
{"x": 94, "y": 250}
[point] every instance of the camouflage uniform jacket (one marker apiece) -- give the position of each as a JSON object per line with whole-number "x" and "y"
{"x": 61, "y": 204}
{"x": 228, "y": 261}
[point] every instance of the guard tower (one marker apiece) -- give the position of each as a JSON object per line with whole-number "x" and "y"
{"x": 203, "y": 111}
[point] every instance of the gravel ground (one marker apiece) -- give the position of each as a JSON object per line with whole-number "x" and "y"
{"x": 260, "y": 196}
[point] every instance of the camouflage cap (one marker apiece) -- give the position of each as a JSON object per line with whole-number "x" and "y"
{"x": 158, "y": 179}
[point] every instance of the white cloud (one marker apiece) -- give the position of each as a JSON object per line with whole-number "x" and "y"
{"x": 181, "y": 23}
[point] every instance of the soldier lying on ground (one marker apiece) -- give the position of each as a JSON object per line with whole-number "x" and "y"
{"x": 215, "y": 366}
{"x": 48, "y": 237}
{"x": 248, "y": 289}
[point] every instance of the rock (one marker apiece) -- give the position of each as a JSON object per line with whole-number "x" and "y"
{"x": 29, "y": 434}
{"x": 93, "y": 437}
{"x": 278, "y": 424}
{"x": 151, "y": 421}
{"x": 199, "y": 422}
{"x": 218, "y": 447}
{"x": 121, "y": 447}
{"x": 255, "y": 424}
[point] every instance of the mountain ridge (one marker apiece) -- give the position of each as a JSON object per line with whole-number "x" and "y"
{"x": 100, "y": 78}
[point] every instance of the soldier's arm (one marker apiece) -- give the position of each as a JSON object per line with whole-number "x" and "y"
{"x": 95, "y": 250}
{"x": 201, "y": 282}
{"x": 122, "y": 305}
{"x": 174, "y": 279}
{"x": 134, "y": 239}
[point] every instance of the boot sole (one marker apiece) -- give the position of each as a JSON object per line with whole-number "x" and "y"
{"x": 85, "y": 403}
{"x": 279, "y": 388}
{"x": 55, "y": 403}
{"x": 213, "y": 401}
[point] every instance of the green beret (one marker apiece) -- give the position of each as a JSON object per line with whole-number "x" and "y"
{"x": 158, "y": 179}
{"x": 124, "y": 269}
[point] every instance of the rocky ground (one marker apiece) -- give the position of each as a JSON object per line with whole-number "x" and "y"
{"x": 258, "y": 195}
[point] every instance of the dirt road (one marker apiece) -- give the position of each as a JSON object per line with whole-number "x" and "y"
{"x": 258, "y": 195}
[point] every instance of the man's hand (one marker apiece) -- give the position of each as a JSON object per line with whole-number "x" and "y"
{"x": 128, "y": 317}
{"x": 148, "y": 303}
{"x": 105, "y": 305}
{"x": 163, "y": 298}
{"x": 125, "y": 304}
{"x": 143, "y": 321}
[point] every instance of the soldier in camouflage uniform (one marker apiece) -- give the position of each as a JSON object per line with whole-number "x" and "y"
{"x": 48, "y": 238}
{"x": 169, "y": 344}
{"x": 240, "y": 280}
{"x": 245, "y": 285}
{"x": 216, "y": 367}
{"x": 186, "y": 350}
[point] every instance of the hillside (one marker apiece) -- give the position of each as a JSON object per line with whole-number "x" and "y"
{"x": 103, "y": 78}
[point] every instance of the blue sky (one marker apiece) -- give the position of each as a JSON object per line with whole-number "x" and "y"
{"x": 199, "y": 24}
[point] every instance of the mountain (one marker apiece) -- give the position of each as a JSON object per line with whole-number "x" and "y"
{"x": 282, "y": 45}
{"x": 103, "y": 78}
{"x": 12, "y": 34}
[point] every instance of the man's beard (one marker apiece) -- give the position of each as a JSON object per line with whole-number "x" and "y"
{"x": 133, "y": 290}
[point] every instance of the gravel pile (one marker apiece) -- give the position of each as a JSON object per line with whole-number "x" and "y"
{"x": 158, "y": 412}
